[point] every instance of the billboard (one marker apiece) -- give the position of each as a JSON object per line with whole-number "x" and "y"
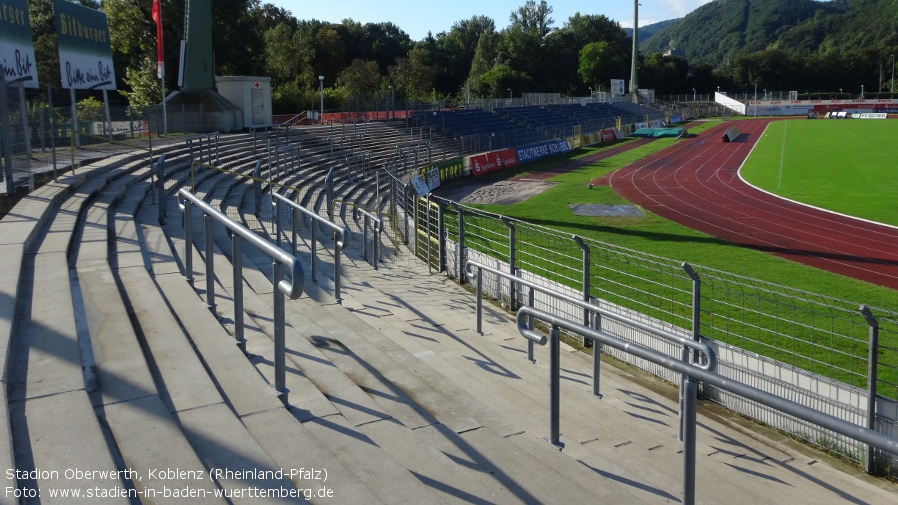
{"x": 617, "y": 87}
{"x": 85, "y": 58}
{"x": 492, "y": 161}
{"x": 540, "y": 150}
{"x": 16, "y": 46}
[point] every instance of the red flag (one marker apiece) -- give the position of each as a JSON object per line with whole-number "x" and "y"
{"x": 160, "y": 57}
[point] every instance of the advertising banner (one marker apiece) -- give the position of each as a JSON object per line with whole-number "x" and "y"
{"x": 617, "y": 87}
{"x": 16, "y": 47}
{"x": 608, "y": 135}
{"x": 492, "y": 161}
{"x": 448, "y": 170}
{"x": 85, "y": 57}
{"x": 420, "y": 185}
{"x": 540, "y": 150}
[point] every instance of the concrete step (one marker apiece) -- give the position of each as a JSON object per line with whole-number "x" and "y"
{"x": 257, "y": 406}
{"x": 636, "y": 449}
{"x": 389, "y": 394}
{"x": 366, "y": 415}
{"x": 518, "y": 388}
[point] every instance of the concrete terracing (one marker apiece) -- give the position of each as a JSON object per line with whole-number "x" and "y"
{"x": 114, "y": 362}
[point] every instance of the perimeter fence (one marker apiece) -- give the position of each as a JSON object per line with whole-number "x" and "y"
{"x": 833, "y": 355}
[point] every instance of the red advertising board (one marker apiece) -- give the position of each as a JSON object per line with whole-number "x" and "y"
{"x": 492, "y": 161}
{"x": 607, "y": 135}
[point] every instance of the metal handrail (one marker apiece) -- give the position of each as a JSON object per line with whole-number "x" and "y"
{"x": 291, "y": 288}
{"x": 341, "y": 237}
{"x": 709, "y": 362}
{"x": 376, "y": 225}
{"x": 692, "y": 373}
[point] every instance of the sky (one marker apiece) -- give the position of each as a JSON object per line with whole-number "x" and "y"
{"x": 418, "y": 17}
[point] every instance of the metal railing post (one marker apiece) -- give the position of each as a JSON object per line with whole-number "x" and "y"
{"x": 480, "y": 301}
{"x": 531, "y": 300}
{"x": 512, "y": 256}
{"x": 188, "y": 241}
{"x": 441, "y": 231}
{"x": 429, "y": 241}
{"x": 585, "y": 283}
{"x": 596, "y": 324}
{"x": 314, "y": 229}
{"x": 210, "y": 267}
{"x": 237, "y": 262}
{"x": 689, "y": 439}
{"x": 160, "y": 187}
{"x": 555, "y": 387}
{"x": 405, "y": 198}
{"x": 461, "y": 245}
{"x": 872, "y": 366}
{"x": 280, "y": 348}
{"x": 696, "y": 336}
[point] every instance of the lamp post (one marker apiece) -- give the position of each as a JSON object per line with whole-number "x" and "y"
{"x": 862, "y": 91}
{"x": 321, "y": 115}
{"x": 392, "y": 102}
{"x": 510, "y": 95}
{"x": 756, "y": 92}
{"x": 634, "y": 77}
{"x": 765, "y": 94}
{"x": 693, "y": 94}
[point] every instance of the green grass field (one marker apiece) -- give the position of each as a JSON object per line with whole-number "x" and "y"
{"x": 655, "y": 235}
{"x": 847, "y": 166}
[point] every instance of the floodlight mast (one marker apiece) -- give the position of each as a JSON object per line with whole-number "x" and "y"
{"x": 634, "y": 81}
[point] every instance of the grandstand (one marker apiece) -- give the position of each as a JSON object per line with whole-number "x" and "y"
{"x": 478, "y": 130}
{"x": 388, "y": 387}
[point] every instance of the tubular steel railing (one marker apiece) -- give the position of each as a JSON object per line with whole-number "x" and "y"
{"x": 758, "y": 325}
{"x": 704, "y": 354}
{"x": 291, "y": 288}
{"x": 341, "y": 236}
{"x": 692, "y": 373}
{"x": 373, "y": 222}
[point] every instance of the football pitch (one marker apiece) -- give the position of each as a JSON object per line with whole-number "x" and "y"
{"x": 846, "y": 166}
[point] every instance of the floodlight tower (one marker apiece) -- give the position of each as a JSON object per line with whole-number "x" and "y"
{"x": 634, "y": 81}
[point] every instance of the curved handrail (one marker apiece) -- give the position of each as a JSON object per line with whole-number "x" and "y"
{"x": 291, "y": 288}
{"x": 710, "y": 358}
{"x": 343, "y": 233}
{"x": 692, "y": 372}
{"x": 341, "y": 238}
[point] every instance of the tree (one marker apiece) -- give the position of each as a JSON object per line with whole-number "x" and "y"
{"x": 288, "y": 55}
{"x": 413, "y": 76}
{"x": 485, "y": 57}
{"x": 454, "y": 51}
{"x": 361, "y": 78}
{"x": 599, "y": 63}
{"x": 533, "y": 18}
{"x": 145, "y": 91}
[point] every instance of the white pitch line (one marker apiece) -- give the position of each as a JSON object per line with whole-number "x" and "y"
{"x": 779, "y": 181}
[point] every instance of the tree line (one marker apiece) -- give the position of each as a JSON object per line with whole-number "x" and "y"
{"x": 365, "y": 65}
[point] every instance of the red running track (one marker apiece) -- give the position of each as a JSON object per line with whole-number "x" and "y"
{"x": 696, "y": 183}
